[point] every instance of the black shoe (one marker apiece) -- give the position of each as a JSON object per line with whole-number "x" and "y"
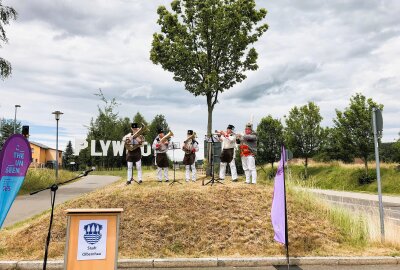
{"x": 167, "y": 180}
{"x": 140, "y": 181}
{"x": 129, "y": 182}
{"x": 234, "y": 180}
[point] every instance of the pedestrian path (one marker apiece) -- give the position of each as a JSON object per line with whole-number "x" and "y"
{"x": 27, "y": 206}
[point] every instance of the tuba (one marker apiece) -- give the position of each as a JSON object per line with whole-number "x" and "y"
{"x": 185, "y": 146}
{"x": 166, "y": 137}
{"x": 131, "y": 147}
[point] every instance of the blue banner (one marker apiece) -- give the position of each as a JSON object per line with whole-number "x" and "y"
{"x": 15, "y": 159}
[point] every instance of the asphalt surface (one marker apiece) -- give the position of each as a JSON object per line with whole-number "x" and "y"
{"x": 27, "y": 206}
{"x": 363, "y": 202}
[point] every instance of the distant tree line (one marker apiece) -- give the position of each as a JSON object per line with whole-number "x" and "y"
{"x": 108, "y": 125}
{"x": 350, "y": 137}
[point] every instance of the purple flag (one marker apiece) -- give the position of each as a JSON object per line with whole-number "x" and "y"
{"x": 278, "y": 211}
{"x": 14, "y": 163}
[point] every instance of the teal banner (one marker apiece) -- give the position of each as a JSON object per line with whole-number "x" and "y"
{"x": 15, "y": 159}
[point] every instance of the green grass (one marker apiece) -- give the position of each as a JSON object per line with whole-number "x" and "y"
{"x": 339, "y": 177}
{"x": 40, "y": 178}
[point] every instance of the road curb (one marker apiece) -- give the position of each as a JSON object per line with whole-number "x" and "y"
{"x": 213, "y": 262}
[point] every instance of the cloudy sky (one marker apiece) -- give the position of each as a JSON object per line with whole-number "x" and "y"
{"x": 324, "y": 51}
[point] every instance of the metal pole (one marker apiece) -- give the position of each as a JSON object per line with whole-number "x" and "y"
{"x": 378, "y": 176}
{"x": 57, "y": 153}
{"x": 15, "y": 118}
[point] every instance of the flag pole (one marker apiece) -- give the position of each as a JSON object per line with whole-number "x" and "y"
{"x": 286, "y": 221}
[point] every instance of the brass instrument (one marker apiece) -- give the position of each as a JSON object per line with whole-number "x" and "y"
{"x": 185, "y": 147}
{"x": 166, "y": 137}
{"x": 128, "y": 144}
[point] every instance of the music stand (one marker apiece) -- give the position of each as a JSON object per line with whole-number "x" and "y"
{"x": 174, "y": 145}
{"x": 211, "y": 141}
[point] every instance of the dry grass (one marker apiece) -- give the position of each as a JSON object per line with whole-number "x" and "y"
{"x": 359, "y": 165}
{"x": 190, "y": 220}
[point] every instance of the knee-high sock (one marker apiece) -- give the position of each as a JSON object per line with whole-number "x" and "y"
{"x": 139, "y": 169}
{"x": 246, "y": 169}
{"x": 233, "y": 169}
{"x": 130, "y": 166}
{"x": 222, "y": 170}
{"x": 187, "y": 172}
{"x": 194, "y": 171}
{"x": 159, "y": 175}
{"x": 166, "y": 173}
{"x": 251, "y": 162}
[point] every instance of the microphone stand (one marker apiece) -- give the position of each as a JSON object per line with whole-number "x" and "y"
{"x": 173, "y": 159}
{"x": 53, "y": 188}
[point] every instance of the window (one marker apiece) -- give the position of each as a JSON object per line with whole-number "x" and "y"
{"x": 33, "y": 150}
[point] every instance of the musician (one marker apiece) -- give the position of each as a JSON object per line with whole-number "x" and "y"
{"x": 190, "y": 147}
{"x": 160, "y": 150}
{"x": 248, "y": 150}
{"x": 228, "y": 140}
{"x": 134, "y": 156}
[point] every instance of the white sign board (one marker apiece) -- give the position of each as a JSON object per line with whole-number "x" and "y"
{"x": 92, "y": 240}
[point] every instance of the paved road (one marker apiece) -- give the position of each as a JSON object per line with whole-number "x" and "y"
{"x": 27, "y": 206}
{"x": 361, "y": 201}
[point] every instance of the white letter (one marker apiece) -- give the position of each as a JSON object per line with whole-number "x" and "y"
{"x": 79, "y": 145}
{"x": 104, "y": 147}
{"x": 118, "y": 148}
{"x": 93, "y": 149}
{"x": 146, "y": 152}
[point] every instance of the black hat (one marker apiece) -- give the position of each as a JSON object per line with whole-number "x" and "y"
{"x": 230, "y": 127}
{"x": 160, "y": 130}
{"x": 190, "y": 132}
{"x": 134, "y": 125}
{"x": 249, "y": 125}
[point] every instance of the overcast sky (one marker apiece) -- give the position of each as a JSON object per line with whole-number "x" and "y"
{"x": 323, "y": 51}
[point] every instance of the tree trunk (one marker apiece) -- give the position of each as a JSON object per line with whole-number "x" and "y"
{"x": 366, "y": 165}
{"x": 209, "y": 132}
{"x": 305, "y": 169}
{"x": 209, "y": 120}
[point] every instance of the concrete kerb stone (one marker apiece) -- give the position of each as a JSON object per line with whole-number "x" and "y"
{"x": 34, "y": 265}
{"x": 135, "y": 263}
{"x": 185, "y": 262}
{"x": 8, "y": 265}
{"x": 314, "y": 260}
{"x": 367, "y": 260}
{"x": 212, "y": 262}
{"x": 251, "y": 262}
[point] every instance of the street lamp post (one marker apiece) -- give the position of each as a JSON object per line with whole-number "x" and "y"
{"x": 15, "y": 116}
{"x": 57, "y": 115}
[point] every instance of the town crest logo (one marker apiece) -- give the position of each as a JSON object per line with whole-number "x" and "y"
{"x": 92, "y": 233}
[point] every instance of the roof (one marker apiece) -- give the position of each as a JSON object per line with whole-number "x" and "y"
{"x": 43, "y": 146}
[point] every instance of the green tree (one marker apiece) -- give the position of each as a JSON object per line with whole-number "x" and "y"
{"x": 6, "y": 14}
{"x": 7, "y": 129}
{"x": 331, "y": 148}
{"x": 159, "y": 121}
{"x": 206, "y": 44}
{"x": 270, "y": 140}
{"x": 107, "y": 126}
{"x": 303, "y": 132}
{"x": 68, "y": 155}
{"x": 354, "y": 126}
{"x": 139, "y": 118}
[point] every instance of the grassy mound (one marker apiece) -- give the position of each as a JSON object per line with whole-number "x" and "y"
{"x": 190, "y": 220}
